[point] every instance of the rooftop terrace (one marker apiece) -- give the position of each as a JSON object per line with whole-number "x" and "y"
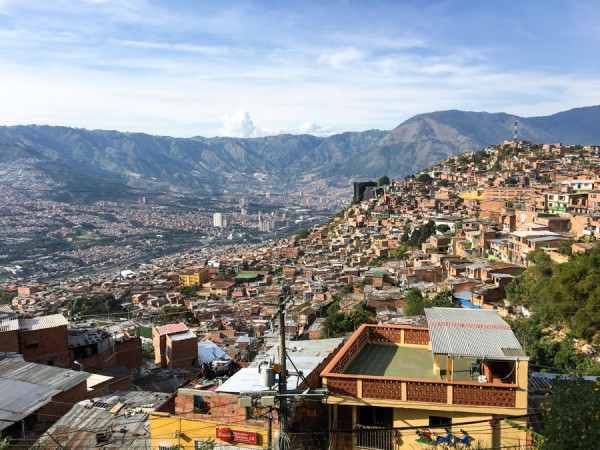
{"x": 396, "y": 363}
{"x": 406, "y": 362}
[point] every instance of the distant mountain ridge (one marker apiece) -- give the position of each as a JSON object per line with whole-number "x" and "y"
{"x": 58, "y": 162}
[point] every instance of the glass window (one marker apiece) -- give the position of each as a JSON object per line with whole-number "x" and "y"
{"x": 439, "y": 422}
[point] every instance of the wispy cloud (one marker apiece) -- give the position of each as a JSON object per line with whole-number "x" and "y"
{"x": 175, "y": 68}
{"x": 341, "y": 58}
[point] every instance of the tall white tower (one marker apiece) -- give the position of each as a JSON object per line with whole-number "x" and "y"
{"x": 218, "y": 220}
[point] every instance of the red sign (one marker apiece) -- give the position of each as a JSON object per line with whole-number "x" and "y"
{"x": 229, "y": 435}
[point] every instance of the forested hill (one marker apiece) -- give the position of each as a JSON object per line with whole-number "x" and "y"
{"x": 565, "y": 302}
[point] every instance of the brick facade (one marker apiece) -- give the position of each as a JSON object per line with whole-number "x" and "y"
{"x": 48, "y": 346}
{"x": 9, "y": 341}
{"x": 183, "y": 353}
{"x": 219, "y": 407}
{"x": 127, "y": 353}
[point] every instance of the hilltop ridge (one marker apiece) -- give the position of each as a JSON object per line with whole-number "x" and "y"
{"x": 78, "y": 164}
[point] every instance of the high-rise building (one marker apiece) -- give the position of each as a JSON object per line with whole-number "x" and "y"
{"x": 360, "y": 187}
{"x": 218, "y": 220}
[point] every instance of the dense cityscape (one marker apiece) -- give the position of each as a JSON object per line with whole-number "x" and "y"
{"x": 316, "y": 225}
{"x": 406, "y": 266}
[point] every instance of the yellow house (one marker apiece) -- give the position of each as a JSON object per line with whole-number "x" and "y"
{"x": 397, "y": 387}
{"x": 170, "y": 432}
{"x": 197, "y": 276}
{"x": 204, "y": 411}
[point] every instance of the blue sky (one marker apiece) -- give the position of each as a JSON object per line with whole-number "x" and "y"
{"x": 238, "y": 68}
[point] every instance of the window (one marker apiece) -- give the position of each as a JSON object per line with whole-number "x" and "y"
{"x": 439, "y": 422}
{"x": 200, "y": 406}
{"x": 376, "y": 416}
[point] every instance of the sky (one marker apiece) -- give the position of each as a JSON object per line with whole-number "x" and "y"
{"x": 254, "y": 68}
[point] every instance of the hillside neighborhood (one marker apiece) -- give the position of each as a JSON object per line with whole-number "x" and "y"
{"x": 397, "y": 319}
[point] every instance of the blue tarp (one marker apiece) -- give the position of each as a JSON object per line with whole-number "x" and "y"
{"x": 464, "y": 298}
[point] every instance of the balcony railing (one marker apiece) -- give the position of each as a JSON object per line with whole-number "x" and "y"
{"x": 408, "y": 389}
{"x": 376, "y": 438}
{"x": 426, "y": 391}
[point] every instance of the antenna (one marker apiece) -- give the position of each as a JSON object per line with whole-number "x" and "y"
{"x": 515, "y": 134}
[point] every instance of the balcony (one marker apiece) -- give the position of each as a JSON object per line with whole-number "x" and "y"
{"x": 395, "y": 363}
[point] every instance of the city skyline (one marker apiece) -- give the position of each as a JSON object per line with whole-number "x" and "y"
{"x": 255, "y": 69}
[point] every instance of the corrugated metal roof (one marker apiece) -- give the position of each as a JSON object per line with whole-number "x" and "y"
{"x": 9, "y": 324}
{"x": 43, "y": 322}
{"x": 183, "y": 336}
{"x": 6, "y": 312}
{"x": 20, "y": 399}
{"x": 127, "y": 428}
{"x": 477, "y": 333}
{"x": 306, "y": 356}
{"x": 47, "y": 376}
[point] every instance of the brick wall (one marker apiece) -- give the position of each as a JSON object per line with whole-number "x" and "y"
{"x": 159, "y": 342}
{"x": 61, "y": 403}
{"x": 9, "y": 341}
{"x": 127, "y": 353}
{"x": 224, "y": 408}
{"x": 184, "y": 353}
{"x": 49, "y": 346}
{"x": 120, "y": 385}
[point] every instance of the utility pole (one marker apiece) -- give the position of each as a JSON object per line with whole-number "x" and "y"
{"x": 282, "y": 391}
{"x": 281, "y": 397}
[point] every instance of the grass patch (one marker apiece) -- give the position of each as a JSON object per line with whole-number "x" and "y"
{"x": 145, "y": 332}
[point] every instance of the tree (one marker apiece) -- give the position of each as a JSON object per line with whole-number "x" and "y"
{"x": 6, "y": 299}
{"x": 175, "y": 314}
{"x": 337, "y": 323}
{"x": 566, "y": 247}
{"x": 303, "y": 234}
{"x": 415, "y": 305}
{"x": 398, "y": 252}
{"x": 443, "y": 228}
{"x": 422, "y": 233}
{"x": 189, "y": 291}
{"x": 96, "y": 304}
{"x": 444, "y": 299}
{"x": 571, "y": 415}
{"x": 424, "y": 178}
{"x": 383, "y": 181}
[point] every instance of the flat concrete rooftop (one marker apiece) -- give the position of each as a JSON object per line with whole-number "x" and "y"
{"x": 405, "y": 362}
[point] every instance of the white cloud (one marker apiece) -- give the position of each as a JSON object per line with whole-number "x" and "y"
{"x": 240, "y": 124}
{"x": 316, "y": 130}
{"x": 340, "y": 58}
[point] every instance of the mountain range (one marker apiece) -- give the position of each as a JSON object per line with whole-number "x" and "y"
{"x": 78, "y": 164}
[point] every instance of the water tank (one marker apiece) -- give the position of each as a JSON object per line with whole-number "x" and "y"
{"x": 267, "y": 374}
